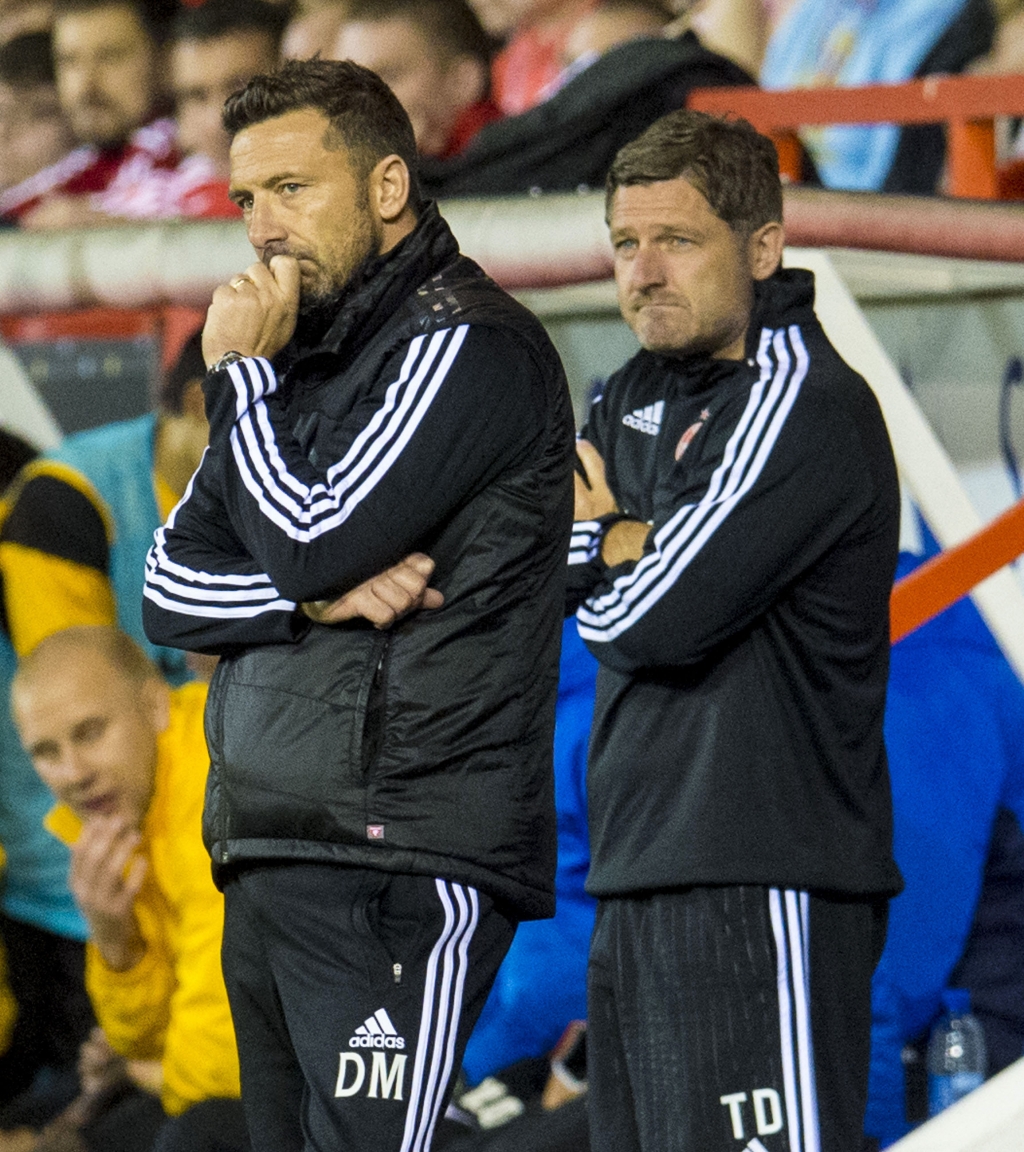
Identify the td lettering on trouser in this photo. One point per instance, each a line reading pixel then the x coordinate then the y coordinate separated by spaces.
pixel 767 1114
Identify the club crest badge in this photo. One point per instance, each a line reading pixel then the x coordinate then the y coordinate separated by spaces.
pixel 688 435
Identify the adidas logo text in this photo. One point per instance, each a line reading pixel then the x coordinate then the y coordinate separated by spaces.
pixel 377 1032
pixel 646 419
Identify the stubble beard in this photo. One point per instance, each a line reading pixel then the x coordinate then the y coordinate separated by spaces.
pixel 319 304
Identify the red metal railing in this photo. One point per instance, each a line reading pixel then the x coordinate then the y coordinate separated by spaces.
pixel 966 105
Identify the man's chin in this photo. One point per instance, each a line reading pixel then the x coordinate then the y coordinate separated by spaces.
pixel 316 301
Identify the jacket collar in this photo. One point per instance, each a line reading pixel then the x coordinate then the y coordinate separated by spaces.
pixel 786 297
pixel 382 285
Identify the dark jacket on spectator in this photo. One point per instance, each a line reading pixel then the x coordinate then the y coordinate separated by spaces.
pixel 571 139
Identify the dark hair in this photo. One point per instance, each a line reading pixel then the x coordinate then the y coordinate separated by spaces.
pixel 189 366
pixel 27 61
pixel 364 113
pixel 154 15
pixel 451 26
pixel 215 18
pixel 733 166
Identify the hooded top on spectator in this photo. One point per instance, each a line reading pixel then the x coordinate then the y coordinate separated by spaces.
pixel 571 139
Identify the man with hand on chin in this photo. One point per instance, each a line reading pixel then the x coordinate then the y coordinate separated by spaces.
pixel 125 756
pixel 732 558
pixel 380 808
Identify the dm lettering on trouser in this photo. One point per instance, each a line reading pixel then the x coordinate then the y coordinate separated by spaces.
pixel 385 1083
pixel 767 1113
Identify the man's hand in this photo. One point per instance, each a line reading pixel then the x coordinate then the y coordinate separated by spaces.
pixel 384 598
pixel 105 878
pixel 99 1066
pixel 593 496
pixel 255 313
pixel 624 540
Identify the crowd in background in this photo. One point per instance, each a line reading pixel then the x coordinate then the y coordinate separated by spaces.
pixel 110 111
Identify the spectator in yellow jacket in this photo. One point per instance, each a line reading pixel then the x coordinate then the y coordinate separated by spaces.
pixel 126 758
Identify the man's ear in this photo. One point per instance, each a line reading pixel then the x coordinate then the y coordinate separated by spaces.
pixel 764 249
pixel 389 187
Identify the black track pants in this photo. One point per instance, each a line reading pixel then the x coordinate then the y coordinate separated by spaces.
pixel 353 994
pixel 733 1019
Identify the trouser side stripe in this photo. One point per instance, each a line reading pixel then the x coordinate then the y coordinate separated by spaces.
pixel 458 950
pixel 413 1112
pixel 785 1019
pixel 442 1006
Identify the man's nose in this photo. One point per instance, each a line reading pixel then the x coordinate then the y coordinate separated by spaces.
pixel 67 771
pixel 647 268
pixel 263 226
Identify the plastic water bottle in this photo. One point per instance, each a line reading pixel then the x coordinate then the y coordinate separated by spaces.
pixel 957 1060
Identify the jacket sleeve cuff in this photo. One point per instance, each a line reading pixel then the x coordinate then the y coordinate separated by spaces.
pixel 586 567
pixel 587 538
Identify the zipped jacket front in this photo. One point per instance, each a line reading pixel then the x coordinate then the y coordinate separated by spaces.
pixel 737 733
pixel 433 417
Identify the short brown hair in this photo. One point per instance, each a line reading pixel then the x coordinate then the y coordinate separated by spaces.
pixel 731 165
pixel 364 113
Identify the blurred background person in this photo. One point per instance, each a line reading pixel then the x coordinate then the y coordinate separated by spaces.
pixel 73 547
pixel 611 23
pixel 313 30
pixel 126 758
pixel 106 57
pixel 435 56
pixel 531 59
pixel 847 43
pixel 72 552
pixel 40 926
pixel 33 130
pixel 215 49
pixel 623 74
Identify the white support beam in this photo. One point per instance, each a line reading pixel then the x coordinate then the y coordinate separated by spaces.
pixel 923 462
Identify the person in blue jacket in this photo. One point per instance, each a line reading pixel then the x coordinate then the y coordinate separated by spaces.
pixel 542 983
pixel 954 731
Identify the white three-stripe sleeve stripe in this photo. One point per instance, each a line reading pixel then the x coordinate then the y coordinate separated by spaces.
pixel 585 541
pixel 304 512
pixel 442 1008
pixel 789 916
pixel 683 536
pixel 194 592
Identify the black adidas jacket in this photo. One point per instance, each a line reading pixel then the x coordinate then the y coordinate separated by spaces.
pixel 738 731
pixel 434 416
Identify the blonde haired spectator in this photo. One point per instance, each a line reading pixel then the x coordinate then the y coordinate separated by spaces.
pixel 126 758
